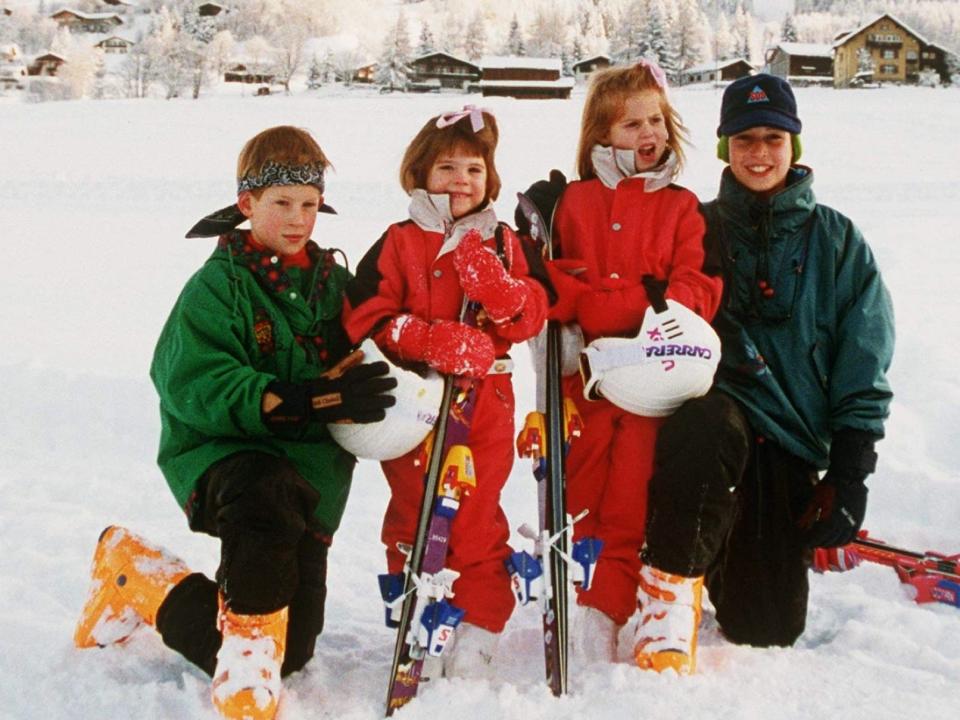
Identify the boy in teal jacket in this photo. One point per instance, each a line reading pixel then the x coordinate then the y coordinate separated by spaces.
pixel 807 335
pixel 248 377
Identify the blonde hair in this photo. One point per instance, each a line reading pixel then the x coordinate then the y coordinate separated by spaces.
pixel 283 145
pixel 609 90
pixel 432 142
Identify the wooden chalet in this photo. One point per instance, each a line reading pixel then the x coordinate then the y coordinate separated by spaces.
pixel 239 72
pixel 438 70
pixel 46 65
pixel 585 68
pixel 115 45
pixel 717 71
pixel 899 53
pixel 524 77
pixel 77 21
pixel 365 74
pixel 801 63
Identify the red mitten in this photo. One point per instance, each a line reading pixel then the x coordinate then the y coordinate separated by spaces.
pixel 563 275
pixel 836 559
pixel 617 307
pixel 450 347
pixel 484 279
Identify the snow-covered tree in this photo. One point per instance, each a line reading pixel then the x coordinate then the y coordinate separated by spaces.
pixel 288 41
pixel 345 64
pixel 515 44
pixel 198 32
pixel 724 43
pixel 631 38
pixel 392 65
pixel 475 42
pixel 742 30
pixel 315 74
pixel 788 31
pixel 84 63
pixel 451 35
pixel 426 44
pixel 219 51
pixel 258 52
pixel 864 62
pixel 689 35
pixel 548 32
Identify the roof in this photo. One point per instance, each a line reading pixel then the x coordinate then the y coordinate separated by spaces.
pixel 843 38
pixel 87 16
pixel 517 62
pixel 564 82
pixel 50 56
pixel 715 65
pixel 807 49
pixel 444 54
pixel 107 39
pixel 591 59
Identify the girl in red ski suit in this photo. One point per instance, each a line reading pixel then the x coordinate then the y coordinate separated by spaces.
pixel 622 221
pixel 407 295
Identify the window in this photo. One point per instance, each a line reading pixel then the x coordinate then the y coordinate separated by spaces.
pixel 889 54
pixel 888 69
pixel 911 55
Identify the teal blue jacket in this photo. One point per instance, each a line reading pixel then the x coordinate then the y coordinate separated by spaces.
pixel 806 322
pixel 241 322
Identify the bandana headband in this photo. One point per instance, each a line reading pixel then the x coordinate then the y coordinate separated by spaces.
pixel 472 111
pixel 277 174
pixel 659 76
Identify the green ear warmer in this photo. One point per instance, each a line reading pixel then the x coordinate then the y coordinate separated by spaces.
pixel 723 147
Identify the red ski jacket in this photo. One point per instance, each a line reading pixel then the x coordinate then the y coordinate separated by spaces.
pixel 410 270
pixel 610 238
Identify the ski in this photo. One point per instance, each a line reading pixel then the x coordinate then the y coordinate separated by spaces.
pixel 417 599
pixel 545 438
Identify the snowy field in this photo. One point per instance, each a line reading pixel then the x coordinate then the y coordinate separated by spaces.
pixel 94 200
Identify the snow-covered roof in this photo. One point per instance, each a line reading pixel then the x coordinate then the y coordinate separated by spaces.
pixel 591 59
pixel 715 65
pixel 843 38
pixel 88 16
pixel 517 62
pixel 107 39
pixel 445 54
pixel 563 82
pixel 808 49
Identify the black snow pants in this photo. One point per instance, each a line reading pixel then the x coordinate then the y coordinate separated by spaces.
pixel 723 504
pixel 270 557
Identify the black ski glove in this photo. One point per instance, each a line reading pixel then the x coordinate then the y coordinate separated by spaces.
pixel 349 392
pixel 839 503
pixel 544 194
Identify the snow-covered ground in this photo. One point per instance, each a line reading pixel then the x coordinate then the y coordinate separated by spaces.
pixel 94 200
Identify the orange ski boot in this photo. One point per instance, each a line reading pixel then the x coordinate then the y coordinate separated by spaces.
pixel 666 636
pixel 130 579
pixel 246 683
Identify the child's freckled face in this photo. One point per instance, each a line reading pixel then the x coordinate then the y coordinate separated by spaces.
pixel 282 218
pixel 462 176
pixel 641 128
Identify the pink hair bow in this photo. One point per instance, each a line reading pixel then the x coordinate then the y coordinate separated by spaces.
pixel 472 111
pixel 659 76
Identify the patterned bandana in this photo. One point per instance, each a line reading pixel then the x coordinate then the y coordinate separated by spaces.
pixel 278 174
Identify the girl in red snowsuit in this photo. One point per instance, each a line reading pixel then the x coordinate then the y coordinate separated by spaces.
pixel 407 295
pixel 622 221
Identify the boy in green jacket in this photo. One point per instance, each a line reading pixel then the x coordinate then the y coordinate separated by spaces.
pixel 248 376
pixel 736 501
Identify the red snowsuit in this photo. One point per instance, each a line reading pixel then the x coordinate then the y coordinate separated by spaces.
pixel 611 238
pixel 410 270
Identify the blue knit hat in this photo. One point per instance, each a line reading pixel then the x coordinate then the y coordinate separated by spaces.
pixel 758 100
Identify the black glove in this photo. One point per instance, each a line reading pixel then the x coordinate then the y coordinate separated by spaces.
pixel 347 393
pixel 544 194
pixel 839 503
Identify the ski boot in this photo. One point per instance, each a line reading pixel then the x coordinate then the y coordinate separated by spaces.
pixel 666 635
pixel 130 579
pixel 246 683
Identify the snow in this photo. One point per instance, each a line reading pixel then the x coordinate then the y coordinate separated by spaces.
pixel 514 62
pixel 94 200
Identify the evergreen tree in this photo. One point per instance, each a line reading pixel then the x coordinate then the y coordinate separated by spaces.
pixel 690 35
pixel 426 44
pixel 743 33
pixel 315 74
pixel 864 62
pixel 788 31
pixel 631 40
pixel 515 44
pixel 475 43
pixel 392 66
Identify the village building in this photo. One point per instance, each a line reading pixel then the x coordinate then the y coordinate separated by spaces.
pixel 210 9
pixel 438 70
pixel 365 74
pixel 524 77
pixel 585 68
pixel 898 53
pixel 801 63
pixel 115 45
pixel 717 71
pixel 77 21
pixel 241 73
pixel 13 69
pixel 46 65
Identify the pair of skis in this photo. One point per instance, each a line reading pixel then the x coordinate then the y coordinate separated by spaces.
pixel 416 599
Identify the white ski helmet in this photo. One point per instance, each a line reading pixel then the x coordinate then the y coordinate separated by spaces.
pixel 672 359
pixel 407 423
